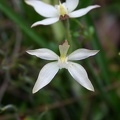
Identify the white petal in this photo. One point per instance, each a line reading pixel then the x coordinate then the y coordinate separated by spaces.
pixel 46 74
pixel 47 21
pixel 42 8
pixel 81 12
pixel 80 54
pixel 71 4
pixel 44 54
pixel 80 75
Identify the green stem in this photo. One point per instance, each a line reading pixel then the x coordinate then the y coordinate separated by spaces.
pixel 68 34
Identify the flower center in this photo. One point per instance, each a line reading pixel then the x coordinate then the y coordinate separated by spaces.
pixel 63 12
pixel 63 62
pixel 63 58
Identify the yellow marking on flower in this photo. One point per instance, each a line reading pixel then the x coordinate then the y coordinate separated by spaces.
pixel 63 51
pixel 62 10
pixel 63 58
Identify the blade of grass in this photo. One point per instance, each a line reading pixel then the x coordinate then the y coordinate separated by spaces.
pixel 22 24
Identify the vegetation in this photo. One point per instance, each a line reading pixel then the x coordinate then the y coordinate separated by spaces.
pixel 63 98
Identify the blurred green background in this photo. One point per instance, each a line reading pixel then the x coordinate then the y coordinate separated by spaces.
pixel 63 98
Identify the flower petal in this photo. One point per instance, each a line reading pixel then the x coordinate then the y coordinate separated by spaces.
pixel 71 4
pixel 47 21
pixel 81 12
pixel 42 8
pixel 46 74
pixel 80 54
pixel 80 75
pixel 44 54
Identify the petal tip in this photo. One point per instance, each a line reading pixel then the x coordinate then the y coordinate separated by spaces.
pixel 96 51
pixel 98 6
pixel 34 90
pixel 28 2
pixel 28 51
pixel 33 25
pixel 91 89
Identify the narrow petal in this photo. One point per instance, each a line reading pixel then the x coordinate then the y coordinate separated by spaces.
pixel 42 8
pixel 46 74
pixel 80 75
pixel 80 54
pixel 44 54
pixel 81 12
pixel 47 21
pixel 71 4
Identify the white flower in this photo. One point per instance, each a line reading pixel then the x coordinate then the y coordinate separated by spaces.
pixel 48 72
pixel 61 11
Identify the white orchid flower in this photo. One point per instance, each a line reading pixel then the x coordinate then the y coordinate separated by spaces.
pixel 62 11
pixel 48 72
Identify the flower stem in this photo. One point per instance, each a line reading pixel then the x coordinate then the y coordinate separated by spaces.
pixel 68 34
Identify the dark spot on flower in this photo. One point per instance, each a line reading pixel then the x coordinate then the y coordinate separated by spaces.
pixel 64 17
